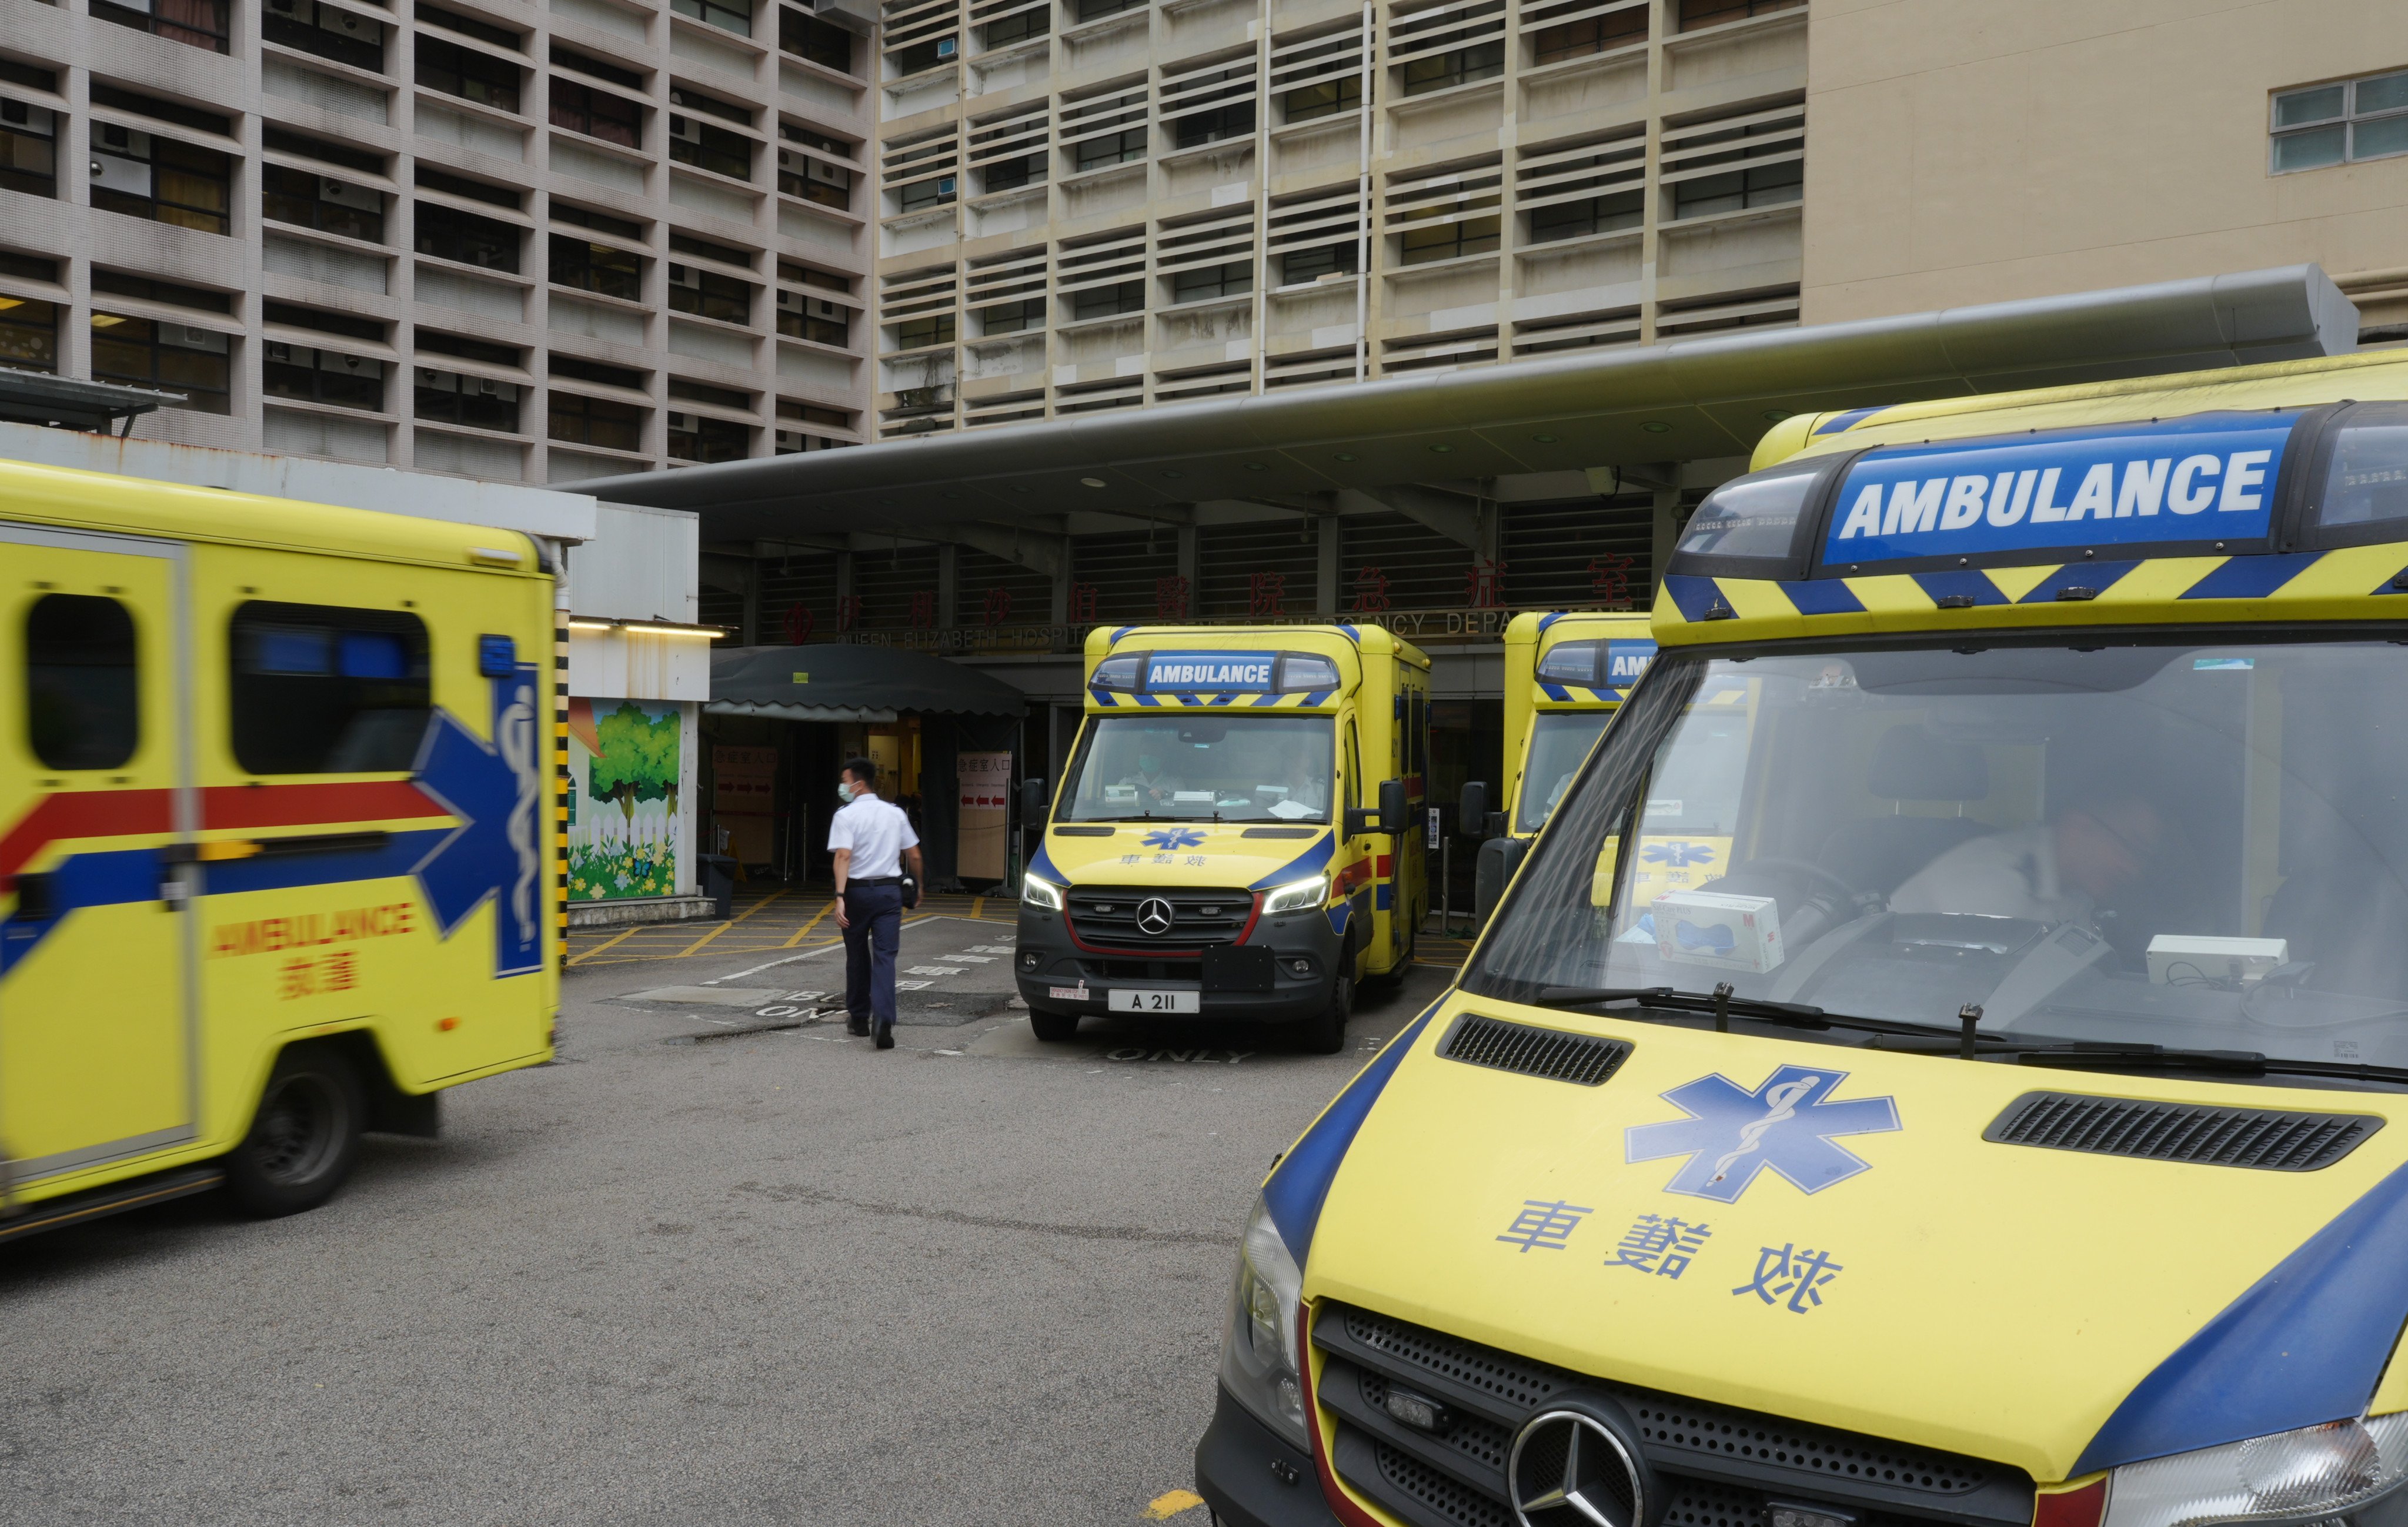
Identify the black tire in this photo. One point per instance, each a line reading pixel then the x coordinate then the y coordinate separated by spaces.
pixel 1324 1034
pixel 1054 1028
pixel 303 1138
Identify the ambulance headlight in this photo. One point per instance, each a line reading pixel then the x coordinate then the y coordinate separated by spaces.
pixel 1043 894
pixel 2314 1473
pixel 1295 896
pixel 1259 1360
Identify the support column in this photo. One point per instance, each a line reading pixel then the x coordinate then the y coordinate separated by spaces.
pixel 1189 567
pixel 948 585
pixel 1325 583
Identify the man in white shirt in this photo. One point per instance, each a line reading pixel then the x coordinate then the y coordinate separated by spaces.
pixel 872 842
pixel 2051 872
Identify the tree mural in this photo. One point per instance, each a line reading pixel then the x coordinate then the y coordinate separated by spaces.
pixel 635 761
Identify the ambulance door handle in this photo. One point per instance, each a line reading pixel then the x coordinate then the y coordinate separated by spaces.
pixel 36 898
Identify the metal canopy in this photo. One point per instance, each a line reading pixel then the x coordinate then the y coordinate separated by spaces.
pixel 839 682
pixel 1688 400
pixel 37 397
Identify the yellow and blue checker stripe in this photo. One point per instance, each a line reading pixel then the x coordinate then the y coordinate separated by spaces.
pixel 2351 583
pixel 1209 700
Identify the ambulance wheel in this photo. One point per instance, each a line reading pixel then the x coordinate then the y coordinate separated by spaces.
pixel 303 1138
pixel 1054 1028
pixel 1326 1032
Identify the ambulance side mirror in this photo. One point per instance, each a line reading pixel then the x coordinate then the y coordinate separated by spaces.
pixel 1472 815
pixel 1032 803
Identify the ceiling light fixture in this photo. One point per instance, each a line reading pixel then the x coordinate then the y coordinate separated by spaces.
pixel 1656 426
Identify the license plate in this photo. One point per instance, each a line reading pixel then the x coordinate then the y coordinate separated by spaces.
pixel 1154 1002
pixel 1066 994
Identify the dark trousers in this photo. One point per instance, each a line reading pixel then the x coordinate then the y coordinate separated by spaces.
pixel 875 914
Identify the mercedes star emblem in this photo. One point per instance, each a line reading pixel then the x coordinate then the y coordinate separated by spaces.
pixel 1570 1470
pixel 1154 917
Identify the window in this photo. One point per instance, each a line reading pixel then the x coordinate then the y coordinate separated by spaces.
pixel 159 178
pixel 1594 214
pixel 706 294
pixel 805 275
pixel 350 325
pixel 1326 99
pixel 470 74
pixel 1220 123
pixel 284 141
pixel 1017 27
pixel 1111 149
pixel 597 114
pixel 322 376
pixel 1768 186
pixel 309 200
pixel 199 23
pixel 172 357
pixel 481 402
pixel 813 179
pixel 1011 174
pixel 814 41
pixel 82 705
pixel 322 689
pixel 595 421
pixel 708 147
pixel 1312 264
pixel 322 30
pixel 699 437
pixel 29 334
pixel 814 319
pixel 29 75
pixel 597 267
pixel 710 105
pixel 935 191
pixel 911 334
pixel 1227 280
pixel 919 56
pixel 1696 13
pixel 1095 11
pixel 447 233
pixel 1456 67
pixel 569 58
pixel 702 249
pixel 460 185
pixel 33 267
pixel 601 223
pixel 727 15
pixel 1589 35
pixel 117 283
pixel 469 26
pixel 718 397
pixel 29 157
pixel 795 442
pixel 1109 301
pixel 811 413
pixel 467 349
pixel 1450 240
pixel 595 371
pixel 2333 124
pixel 1013 317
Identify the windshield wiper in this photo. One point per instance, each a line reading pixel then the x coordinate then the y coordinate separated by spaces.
pixel 1796 1015
pixel 2247 1062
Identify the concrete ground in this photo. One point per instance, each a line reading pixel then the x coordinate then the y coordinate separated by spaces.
pixel 721 1264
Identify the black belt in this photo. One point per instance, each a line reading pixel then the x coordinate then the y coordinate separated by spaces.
pixel 873 879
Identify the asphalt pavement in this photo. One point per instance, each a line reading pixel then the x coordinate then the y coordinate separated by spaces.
pixel 721 1263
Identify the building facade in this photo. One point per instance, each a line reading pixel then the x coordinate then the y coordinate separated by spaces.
pixel 1103 204
pixel 481 237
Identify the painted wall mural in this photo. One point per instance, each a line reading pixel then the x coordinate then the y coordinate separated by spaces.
pixel 624 764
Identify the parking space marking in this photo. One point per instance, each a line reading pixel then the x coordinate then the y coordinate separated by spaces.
pixel 1171 1503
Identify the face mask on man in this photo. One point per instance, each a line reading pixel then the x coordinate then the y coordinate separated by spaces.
pixel 844 792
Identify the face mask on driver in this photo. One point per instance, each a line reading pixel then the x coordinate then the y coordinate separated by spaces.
pixel 1149 763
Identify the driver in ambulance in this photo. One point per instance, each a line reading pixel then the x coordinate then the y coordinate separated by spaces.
pixel 2050 872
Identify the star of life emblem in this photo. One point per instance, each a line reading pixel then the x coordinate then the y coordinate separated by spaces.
pixel 1785 1126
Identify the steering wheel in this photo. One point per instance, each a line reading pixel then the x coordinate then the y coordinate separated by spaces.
pixel 1798 867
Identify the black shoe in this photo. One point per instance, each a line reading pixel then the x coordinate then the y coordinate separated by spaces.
pixel 886 1036
pixel 856 1028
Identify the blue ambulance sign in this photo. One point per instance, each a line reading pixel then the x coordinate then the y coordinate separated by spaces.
pixel 1626 663
pixel 2204 477
pixel 1247 672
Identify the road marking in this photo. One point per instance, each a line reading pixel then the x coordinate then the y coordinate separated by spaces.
pixel 1169 1504
pixel 807 927
pixel 581 958
pixel 731 922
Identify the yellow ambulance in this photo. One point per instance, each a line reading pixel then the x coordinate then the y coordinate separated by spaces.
pixel 2015 1131
pixel 1235 835
pixel 1565 673
pixel 275 851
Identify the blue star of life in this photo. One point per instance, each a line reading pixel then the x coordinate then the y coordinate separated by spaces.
pixel 1786 1125
pixel 1174 837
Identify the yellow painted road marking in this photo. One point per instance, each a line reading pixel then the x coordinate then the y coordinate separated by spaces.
pixel 1164 1507
pixel 581 958
pixel 729 923
pixel 809 926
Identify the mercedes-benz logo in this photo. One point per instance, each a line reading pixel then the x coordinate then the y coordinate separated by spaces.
pixel 1569 1469
pixel 1154 917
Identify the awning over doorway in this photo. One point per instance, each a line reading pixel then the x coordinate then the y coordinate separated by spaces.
pixel 843 681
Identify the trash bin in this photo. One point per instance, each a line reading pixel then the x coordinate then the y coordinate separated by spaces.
pixel 719 881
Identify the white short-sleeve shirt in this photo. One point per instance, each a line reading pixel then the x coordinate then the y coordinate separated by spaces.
pixel 877 833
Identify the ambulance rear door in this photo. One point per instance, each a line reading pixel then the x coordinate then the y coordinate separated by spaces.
pixel 97 1005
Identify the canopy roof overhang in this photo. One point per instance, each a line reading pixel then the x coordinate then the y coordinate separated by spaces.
pixel 841 681
pixel 1688 400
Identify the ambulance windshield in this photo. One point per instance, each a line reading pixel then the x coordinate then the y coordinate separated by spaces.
pixel 1201 766
pixel 1559 744
pixel 2168 841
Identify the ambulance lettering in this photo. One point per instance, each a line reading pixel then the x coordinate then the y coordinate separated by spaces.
pixel 1209 671
pixel 2129 486
pixel 1732 1134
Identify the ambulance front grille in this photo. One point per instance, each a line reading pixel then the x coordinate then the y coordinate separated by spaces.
pixel 1109 916
pixel 1533 1051
pixel 1718 1465
pixel 2267 1139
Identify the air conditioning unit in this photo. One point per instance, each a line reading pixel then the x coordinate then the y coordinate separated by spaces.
pixel 685 129
pixel 685 276
pixel 358 198
pixel 680 422
pixel 945 186
pixel 297 9
pixel 124 139
pixel 947 47
pixel 277 352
